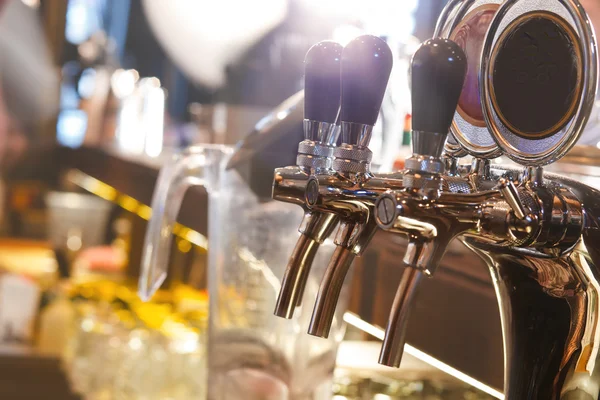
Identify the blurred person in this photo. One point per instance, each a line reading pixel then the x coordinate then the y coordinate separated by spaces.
pixel 29 80
pixel 29 102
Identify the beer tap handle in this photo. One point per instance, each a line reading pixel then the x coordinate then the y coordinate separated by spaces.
pixel 322 86
pixel 438 73
pixel 322 95
pixel 321 110
pixel 366 68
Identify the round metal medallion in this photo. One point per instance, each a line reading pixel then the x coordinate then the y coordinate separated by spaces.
pixel 538 57
pixel 538 78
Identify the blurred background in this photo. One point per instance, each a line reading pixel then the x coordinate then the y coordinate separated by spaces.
pixel 95 95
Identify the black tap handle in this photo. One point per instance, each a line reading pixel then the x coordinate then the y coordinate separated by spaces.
pixel 438 73
pixel 322 82
pixel 366 66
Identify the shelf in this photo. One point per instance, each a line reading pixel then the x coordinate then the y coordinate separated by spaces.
pixel 134 176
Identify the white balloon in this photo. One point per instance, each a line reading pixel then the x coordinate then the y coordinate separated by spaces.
pixel 204 36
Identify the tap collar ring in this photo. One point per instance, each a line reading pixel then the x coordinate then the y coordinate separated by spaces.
pixel 313 162
pixel 313 148
pixel 425 164
pixel 352 159
pixel 427 184
pixel 354 153
pixel 348 166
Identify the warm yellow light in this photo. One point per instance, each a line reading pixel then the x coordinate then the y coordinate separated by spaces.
pixel 128 203
pixel 92 185
pixel 197 238
pixel 179 229
pixel 74 243
pixel 144 212
pixel 184 246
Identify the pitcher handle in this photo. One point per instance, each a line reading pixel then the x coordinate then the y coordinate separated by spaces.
pixel 195 166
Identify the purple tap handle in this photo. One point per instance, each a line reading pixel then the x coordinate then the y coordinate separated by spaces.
pixel 322 82
pixel 366 67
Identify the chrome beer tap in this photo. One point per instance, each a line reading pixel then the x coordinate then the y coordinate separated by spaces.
pixel 346 193
pixel 438 72
pixel 315 155
pixel 536 71
pixel 351 192
pixel 538 233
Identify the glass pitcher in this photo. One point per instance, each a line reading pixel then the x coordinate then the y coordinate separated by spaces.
pixel 252 354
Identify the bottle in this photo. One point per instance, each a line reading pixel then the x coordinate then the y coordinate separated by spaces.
pixel 55 325
pixel 405 149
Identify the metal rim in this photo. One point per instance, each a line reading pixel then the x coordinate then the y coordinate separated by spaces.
pixel 452 147
pixel 446 16
pixel 573 35
pixel 460 11
pixel 482 8
pixel 570 135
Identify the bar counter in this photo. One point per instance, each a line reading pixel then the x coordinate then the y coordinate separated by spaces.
pixel 457 320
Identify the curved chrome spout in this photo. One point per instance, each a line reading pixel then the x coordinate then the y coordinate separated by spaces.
pixel 289 185
pixel 392 349
pixel 351 240
pixel 316 227
pixel 353 203
pixel 295 274
pixel 544 263
pixel 329 292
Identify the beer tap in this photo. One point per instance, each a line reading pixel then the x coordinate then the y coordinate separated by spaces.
pixel 537 232
pixel 351 192
pixel 315 155
pixel 431 217
pixel 438 72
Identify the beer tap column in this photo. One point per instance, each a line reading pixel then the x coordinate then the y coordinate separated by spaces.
pixel 438 72
pixel 366 67
pixel 315 155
